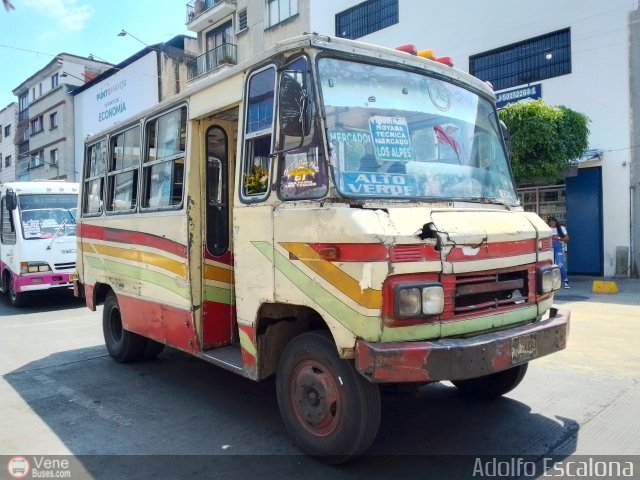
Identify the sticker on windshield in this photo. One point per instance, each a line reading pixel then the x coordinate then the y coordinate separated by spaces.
pixel 379 184
pixel 391 140
pixel 31 229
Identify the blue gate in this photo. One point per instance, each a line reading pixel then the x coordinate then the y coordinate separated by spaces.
pixel 584 222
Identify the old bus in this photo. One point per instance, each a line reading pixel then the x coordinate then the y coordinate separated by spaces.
pixel 38 237
pixel 334 213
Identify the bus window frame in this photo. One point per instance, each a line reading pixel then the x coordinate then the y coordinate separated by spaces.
pixel 255 135
pixel 146 164
pixel 111 174
pixel 87 179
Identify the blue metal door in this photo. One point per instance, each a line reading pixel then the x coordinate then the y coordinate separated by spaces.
pixel 584 222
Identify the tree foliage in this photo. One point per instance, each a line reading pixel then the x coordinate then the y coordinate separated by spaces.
pixel 545 140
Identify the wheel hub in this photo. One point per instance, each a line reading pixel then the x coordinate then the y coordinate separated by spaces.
pixel 315 398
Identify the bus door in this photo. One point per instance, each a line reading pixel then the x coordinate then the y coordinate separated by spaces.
pixel 218 312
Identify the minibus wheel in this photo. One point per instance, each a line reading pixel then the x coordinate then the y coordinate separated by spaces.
pixel 17 299
pixel 494 385
pixel 330 410
pixel 122 344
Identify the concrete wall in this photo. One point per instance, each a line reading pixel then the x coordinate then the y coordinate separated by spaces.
pixel 598 86
pixel 8 116
pixel 634 62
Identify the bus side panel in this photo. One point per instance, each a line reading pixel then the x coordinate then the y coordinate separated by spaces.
pixel 168 325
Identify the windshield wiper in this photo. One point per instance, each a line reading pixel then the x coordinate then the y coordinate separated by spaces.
pixel 73 219
pixel 57 232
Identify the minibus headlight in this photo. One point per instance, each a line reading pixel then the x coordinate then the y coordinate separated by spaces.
pixel 34 267
pixel 408 302
pixel 549 279
pixel 433 300
pixel 411 301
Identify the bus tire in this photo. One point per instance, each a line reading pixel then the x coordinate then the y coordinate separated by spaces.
pixel 492 386
pixel 123 345
pixel 17 299
pixel 152 348
pixel 328 408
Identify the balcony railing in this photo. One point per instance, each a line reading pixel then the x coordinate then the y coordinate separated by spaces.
pixel 224 54
pixel 198 7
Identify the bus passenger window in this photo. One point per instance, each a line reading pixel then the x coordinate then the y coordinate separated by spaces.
pixel 95 162
pixel 122 178
pixel 256 164
pixel 163 167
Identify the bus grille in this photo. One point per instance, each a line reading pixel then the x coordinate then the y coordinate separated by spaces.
pixel 486 293
pixel 65 266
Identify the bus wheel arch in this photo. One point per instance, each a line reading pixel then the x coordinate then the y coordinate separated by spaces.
pixel 276 326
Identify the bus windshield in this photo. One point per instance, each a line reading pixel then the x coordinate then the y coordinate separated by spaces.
pixel 396 134
pixel 47 215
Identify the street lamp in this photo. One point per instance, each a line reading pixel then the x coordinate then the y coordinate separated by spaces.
pixel 67 74
pixel 123 33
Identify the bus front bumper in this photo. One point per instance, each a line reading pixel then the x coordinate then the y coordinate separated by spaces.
pixel 45 281
pixel 462 358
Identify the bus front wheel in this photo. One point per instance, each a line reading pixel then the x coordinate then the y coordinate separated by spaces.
pixel 123 345
pixel 17 299
pixel 331 411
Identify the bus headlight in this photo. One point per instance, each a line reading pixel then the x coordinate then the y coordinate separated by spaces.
pixel 34 267
pixel 549 279
pixel 411 301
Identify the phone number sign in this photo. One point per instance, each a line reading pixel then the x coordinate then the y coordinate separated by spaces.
pixel 532 92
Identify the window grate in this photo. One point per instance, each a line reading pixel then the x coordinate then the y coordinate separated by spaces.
pixel 529 61
pixel 366 17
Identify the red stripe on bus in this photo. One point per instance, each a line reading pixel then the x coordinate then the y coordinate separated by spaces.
pixel 129 237
pixel 491 250
pixel 378 252
pixel 226 258
pixel 375 252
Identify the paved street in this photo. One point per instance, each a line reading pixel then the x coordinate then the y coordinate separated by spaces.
pixel 61 394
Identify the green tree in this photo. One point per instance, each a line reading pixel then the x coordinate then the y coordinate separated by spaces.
pixel 545 140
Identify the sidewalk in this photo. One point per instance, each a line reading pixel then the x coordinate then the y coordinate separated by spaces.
pixel 581 290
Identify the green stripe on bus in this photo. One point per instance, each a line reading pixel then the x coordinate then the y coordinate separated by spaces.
pixel 138 273
pixel 368 327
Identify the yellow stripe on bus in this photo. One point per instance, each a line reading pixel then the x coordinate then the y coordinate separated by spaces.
pixel 212 272
pixel 368 297
pixel 179 268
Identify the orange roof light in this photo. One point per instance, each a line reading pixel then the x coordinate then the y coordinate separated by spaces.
pixel 427 54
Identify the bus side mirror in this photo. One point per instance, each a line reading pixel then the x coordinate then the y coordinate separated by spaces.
pixel 294 111
pixel 11 200
pixel 507 138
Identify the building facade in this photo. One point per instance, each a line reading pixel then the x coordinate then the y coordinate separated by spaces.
pixel 8 122
pixel 45 130
pixel 231 32
pixel 152 75
pixel 582 54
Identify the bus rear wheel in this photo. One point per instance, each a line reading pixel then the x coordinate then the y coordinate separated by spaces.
pixel 122 345
pixel 330 410
pixel 17 299
pixel 494 385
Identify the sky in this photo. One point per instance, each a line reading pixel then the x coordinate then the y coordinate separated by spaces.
pixel 38 30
